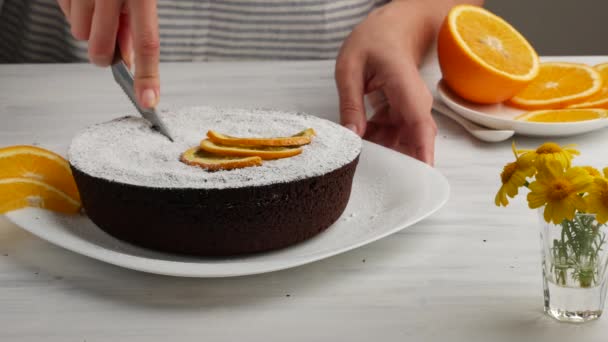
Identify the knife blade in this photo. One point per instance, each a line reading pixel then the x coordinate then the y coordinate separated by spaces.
pixel 124 78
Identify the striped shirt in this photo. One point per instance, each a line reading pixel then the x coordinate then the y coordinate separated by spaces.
pixel 195 30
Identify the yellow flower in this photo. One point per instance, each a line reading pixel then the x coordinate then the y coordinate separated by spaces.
pixel 593 172
pixel 597 200
pixel 550 151
pixel 559 191
pixel 513 176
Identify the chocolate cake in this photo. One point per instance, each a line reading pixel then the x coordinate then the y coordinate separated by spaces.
pixel 134 187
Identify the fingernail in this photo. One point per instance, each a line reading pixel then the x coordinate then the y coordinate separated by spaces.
pixel 148 98
pixel 130 59
pixel 352 127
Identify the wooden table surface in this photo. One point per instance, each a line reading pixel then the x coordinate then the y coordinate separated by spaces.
pixel 470 272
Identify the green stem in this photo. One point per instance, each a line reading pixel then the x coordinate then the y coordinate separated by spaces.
pixel 576 252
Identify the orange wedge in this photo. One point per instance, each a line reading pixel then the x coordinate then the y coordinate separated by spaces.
pixel 39 164
pixel 17 193
pixel 484 59
pixel 267 152
pixel 563 115
pixel 299 139
pixel 600 99
pixel 559 85
pixel 213 162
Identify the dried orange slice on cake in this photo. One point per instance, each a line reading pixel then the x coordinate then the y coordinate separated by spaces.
pixel 600 99
pixel 38 164
pixel 17 193
pixel 302 138
pixel 559 85
pixel 213 162
pixel 225 152
pixel 484 59
pixel 264 152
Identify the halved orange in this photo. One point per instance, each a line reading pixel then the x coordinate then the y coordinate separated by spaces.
pixel 267 152
pixel 213 162
pixel 484 59
pixel 39 164
pixel 600 99
pixel 558 85
pixel 302 138
pixel 17 193
pixel 563 115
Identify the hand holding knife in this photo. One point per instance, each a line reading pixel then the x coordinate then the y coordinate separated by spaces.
pixel 124 78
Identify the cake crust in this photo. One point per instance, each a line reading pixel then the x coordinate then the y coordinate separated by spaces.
pixel 217 222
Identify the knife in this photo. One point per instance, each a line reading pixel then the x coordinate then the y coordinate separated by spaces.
pixel 124 78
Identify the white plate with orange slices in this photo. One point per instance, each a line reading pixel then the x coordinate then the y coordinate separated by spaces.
pixel 493 77
pixel 504 117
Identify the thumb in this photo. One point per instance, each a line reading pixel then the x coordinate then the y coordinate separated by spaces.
pixel 350 84
pixel 144 28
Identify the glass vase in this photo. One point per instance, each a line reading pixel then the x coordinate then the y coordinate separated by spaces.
pixel 574 260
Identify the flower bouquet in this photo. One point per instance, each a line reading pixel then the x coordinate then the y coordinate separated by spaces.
pixel 573 207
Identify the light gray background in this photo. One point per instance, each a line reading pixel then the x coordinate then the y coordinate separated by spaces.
pixel 558 27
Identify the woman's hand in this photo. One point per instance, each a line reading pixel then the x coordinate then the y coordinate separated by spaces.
pixel 381 58
pixel 131 23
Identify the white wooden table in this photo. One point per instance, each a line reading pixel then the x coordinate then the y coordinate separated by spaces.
pixel 468 273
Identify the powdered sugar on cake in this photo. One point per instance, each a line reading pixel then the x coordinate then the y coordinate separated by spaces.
pixel 127 150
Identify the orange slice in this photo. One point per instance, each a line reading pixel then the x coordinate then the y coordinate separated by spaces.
pixel 267 152
pixel 483 58
pixel 600 99
pixel 299 139
pixel 563 115
pixel 213 162
pixel 17 193
pixel 39 164
pixel 559 85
